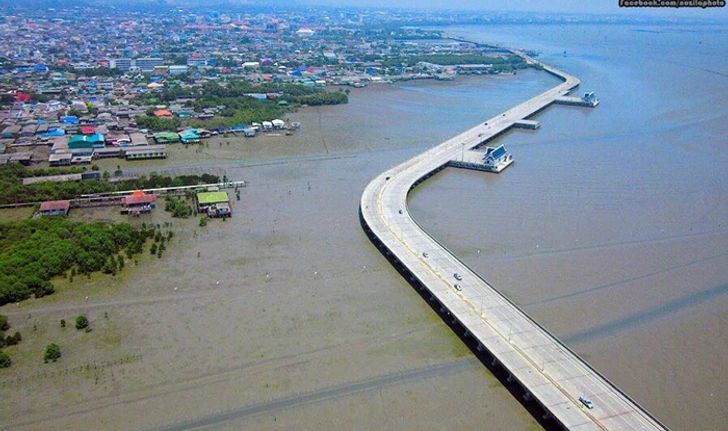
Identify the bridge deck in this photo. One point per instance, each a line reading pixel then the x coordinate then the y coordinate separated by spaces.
pixel 551 373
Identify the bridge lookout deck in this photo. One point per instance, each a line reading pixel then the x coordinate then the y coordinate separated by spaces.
pixel 546 370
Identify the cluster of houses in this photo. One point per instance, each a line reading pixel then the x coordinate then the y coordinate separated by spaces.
pixel 77 82
pixel 72 140
pixel 211 202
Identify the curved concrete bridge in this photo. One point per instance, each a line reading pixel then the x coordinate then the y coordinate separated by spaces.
pixel 546 370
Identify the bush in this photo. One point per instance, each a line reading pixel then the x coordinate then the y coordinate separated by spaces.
pixel 203 221
pixel 178 207
pixel 14 339
pixel 52 353
pixel 110 266
pixel 81 322
pixel 4 326
pixel 4 360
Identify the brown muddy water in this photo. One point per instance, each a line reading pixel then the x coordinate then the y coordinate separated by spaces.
pixel 289 318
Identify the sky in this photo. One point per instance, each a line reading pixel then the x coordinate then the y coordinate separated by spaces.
pixel 561 6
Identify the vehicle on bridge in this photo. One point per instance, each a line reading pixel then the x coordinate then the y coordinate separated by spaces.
pixel 587 402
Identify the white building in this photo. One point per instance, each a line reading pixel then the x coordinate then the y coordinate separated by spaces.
pixel 122 64
pixel 147 64
pixel 305 32
pixel 177 70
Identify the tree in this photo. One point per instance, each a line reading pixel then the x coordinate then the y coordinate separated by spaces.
pixel 52 353
pixel 4 326
pixel 14 339
pixel 63 323
pixel 110 266
pixel 81 322
pixel 4 360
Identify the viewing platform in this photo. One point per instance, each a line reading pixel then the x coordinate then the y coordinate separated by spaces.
pixel 527 124
pixel 589 100
pixel 490 159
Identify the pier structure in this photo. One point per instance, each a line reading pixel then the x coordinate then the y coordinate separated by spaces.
pixel 566 388
pixel 473 159
pixel 527 124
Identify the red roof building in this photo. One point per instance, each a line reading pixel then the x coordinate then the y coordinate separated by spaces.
pixel 22 97
pixel 138 203
pixel 53 208
pixel 163 113
pixel 88 130
pixel 138 198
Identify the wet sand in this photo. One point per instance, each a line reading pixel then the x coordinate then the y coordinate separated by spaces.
pixel 333 338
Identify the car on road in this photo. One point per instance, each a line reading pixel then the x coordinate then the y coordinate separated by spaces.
pixel 457 276
pixel 457 287
pixel 587 402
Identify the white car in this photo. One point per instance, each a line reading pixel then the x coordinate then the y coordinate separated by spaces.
pixel 587 402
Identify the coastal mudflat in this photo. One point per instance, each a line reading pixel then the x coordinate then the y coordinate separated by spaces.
pixel 284 316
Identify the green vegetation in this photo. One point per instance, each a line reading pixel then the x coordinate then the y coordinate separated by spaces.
pixel 157 124
pixel 500 64
pixel 52 353
pixel 203 221
pixel 178 207
pixel 5 361
pixel 12 340
pixel 237 107
pixel 12 189
pixel 33 251
pixel 44 172
pixel 81 322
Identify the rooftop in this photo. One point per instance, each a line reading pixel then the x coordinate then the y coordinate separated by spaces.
pixel 207 198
